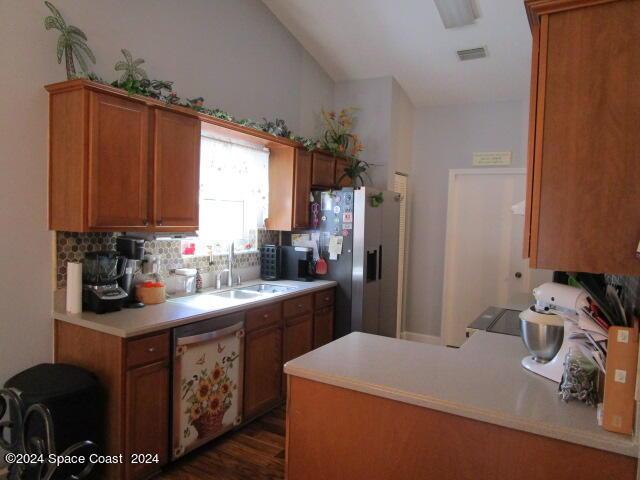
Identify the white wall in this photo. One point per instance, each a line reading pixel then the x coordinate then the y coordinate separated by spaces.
pixel 234 53
pixel 445 138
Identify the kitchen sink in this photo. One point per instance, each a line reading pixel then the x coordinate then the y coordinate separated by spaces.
pixel 266 288
pixel 240 293
pixel 236 294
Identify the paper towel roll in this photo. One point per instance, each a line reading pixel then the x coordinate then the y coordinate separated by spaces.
pixel 74 287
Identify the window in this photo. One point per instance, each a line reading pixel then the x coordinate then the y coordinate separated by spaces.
pixel 234 195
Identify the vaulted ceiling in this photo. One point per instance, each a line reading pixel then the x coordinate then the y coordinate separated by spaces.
pixel 356 39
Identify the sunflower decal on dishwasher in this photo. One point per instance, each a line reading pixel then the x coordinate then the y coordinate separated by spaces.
pixel 207 396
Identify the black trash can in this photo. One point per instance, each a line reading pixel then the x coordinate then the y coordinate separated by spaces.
pixel 74 400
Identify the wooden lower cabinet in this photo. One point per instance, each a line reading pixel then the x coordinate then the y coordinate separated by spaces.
pixel 135 373
pixel 322 326
pixel 262 370
pixel 147 417
pixel 298 340
pixel 135 376
pixel 298 337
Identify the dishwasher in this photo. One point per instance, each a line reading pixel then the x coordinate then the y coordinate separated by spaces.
pixel 207 382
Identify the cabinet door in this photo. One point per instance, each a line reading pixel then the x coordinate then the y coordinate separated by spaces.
pixel 176 171
pixel 298 337
pixel 322 327
pixel 298 340
pixel 340 181
pixel 263 370
pixel 323 171
pixel 118 163
pixel 147 417
pixel 585 195
pixel 302 189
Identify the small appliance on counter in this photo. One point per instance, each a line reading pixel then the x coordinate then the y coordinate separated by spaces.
pixel 547 327
pixel 270 262
pixel 132 251
pixel 100 274
pixel 297 263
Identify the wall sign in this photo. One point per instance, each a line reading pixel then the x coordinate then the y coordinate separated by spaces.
pixel 483 159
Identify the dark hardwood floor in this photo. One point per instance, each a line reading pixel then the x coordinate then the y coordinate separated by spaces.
pixel 255 452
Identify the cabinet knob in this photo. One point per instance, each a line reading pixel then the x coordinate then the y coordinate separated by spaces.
pixel 266 315
pixel 518 275
pixel 151 349
pixel 300 305
pixel 146 222
pixel 326 299
pixel 159 221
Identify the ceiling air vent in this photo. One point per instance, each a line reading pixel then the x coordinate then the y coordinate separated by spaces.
pixel 472 53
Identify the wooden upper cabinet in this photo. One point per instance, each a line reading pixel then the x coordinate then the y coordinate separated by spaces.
pixel 583 177
pixel 118 163
pixel 289 188
pixel 323 171
pixel 302 188
pixel 176 169
pixel 341 179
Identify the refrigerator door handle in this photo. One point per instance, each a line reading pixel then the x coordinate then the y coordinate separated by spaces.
pixel 372 264
pixel 380 262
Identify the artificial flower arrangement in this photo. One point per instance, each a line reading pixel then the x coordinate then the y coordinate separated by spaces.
pixel 338 139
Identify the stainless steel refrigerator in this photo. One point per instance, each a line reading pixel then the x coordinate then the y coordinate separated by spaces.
pixel 367 267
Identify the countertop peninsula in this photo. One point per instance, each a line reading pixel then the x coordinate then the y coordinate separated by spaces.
pixel 483 380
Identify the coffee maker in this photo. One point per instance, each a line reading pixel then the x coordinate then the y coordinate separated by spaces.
pixel 132 251
pixel 100 274
pixel 297 263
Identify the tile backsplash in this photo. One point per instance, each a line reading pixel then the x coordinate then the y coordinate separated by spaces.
pixel 72 246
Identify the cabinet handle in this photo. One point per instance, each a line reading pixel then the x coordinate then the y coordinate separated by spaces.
pixel 151 349
pixel 266 315
pixel 300 305
pixel 159 221
pixel 326 299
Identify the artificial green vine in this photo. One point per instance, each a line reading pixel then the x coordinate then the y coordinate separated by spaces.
pixel 134 80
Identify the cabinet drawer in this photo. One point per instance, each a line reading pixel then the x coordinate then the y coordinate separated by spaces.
pixel 297 306
pixel 263 317
pixel 324 298
pixel 147 350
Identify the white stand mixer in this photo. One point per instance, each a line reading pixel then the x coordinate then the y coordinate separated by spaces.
pixel 547 326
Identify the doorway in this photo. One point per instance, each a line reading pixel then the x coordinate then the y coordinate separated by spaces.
pixel 483 261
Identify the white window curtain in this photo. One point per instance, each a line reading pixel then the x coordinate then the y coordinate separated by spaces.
pixel 234 194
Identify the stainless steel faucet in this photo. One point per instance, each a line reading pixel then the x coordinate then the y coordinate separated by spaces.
pixel 232 256
pixel 228 271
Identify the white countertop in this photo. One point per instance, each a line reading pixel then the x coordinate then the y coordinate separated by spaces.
pixel 131 322
pixel 482 380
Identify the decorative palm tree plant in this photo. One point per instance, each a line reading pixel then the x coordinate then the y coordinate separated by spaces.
pixel 71 43
pixel 132 73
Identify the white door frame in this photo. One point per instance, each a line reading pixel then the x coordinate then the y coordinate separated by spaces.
pixel 447 288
